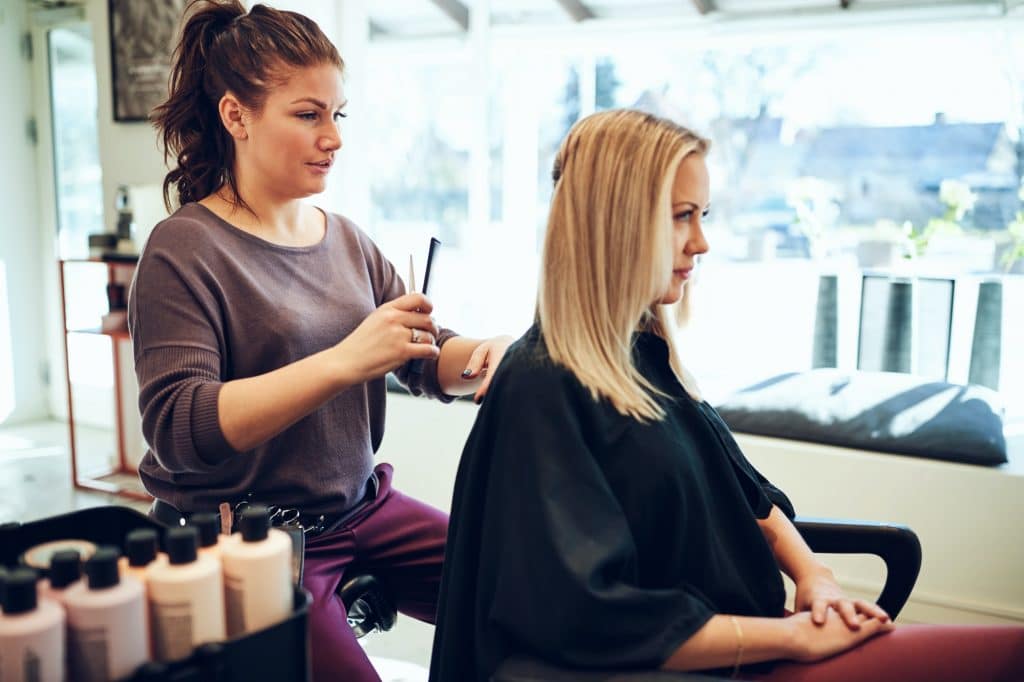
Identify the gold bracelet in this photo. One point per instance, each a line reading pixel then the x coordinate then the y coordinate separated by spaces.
pixel 739 647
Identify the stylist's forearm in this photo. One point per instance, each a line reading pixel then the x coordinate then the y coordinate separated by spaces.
pixel 254 410
pixel 452 362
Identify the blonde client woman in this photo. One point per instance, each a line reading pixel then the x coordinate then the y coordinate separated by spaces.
pixel 603 516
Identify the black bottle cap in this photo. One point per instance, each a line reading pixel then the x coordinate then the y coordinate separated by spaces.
pixel 20 591
pixel 140 546
pixel 65 568
pixel 208 525
pixel 101 568
pixel 181 544
pixel 255 523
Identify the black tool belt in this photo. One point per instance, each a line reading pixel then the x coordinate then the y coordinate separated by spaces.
pixel 286 517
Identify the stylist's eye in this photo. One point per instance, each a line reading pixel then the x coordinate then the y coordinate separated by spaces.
pixel 338 115
pixel 683 215
pixel 307 115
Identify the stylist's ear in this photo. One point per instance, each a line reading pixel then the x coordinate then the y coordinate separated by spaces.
pixel 231 112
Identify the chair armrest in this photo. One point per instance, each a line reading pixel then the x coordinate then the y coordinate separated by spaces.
pixel 897 546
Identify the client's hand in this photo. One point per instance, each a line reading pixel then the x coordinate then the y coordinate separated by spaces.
pixel 818 592
pixel 813 642
pixel 485 359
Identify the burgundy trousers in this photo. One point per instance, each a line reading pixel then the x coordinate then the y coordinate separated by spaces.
pixel 397 539
pixel 917 653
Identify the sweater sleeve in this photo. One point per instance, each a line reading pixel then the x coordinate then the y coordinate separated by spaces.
pixel 177 362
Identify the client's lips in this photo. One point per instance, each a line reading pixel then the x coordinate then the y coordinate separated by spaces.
pixel 321 166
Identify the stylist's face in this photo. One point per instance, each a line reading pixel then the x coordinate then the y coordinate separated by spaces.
pixel 291 143
pixel 689 208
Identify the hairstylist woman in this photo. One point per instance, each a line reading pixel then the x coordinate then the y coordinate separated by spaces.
pixel 263 326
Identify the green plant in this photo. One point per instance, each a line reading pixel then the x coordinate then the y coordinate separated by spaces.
pixel 816 205
pixel 958 200
pixel 1016 232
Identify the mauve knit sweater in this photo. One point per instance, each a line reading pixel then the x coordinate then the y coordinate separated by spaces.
pixel 211 303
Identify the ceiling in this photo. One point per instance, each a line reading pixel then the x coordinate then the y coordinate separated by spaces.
pixel 413 18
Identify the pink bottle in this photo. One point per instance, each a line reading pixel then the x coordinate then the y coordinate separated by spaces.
pixel 31 632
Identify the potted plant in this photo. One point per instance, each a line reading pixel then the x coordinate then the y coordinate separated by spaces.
pixel 1010 252
pixel 958 199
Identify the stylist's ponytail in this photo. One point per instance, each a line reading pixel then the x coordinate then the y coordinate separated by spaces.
pixel 224 49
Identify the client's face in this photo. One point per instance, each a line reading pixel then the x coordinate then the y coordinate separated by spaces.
pixel 689 208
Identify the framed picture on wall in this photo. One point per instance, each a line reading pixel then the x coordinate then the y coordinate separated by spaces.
pixel 142 37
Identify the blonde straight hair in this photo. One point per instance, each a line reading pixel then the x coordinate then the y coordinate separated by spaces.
pixel 608 255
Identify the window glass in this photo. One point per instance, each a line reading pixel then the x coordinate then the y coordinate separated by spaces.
pixel 890 151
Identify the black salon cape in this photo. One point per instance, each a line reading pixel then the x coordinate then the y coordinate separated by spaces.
pixel 589 539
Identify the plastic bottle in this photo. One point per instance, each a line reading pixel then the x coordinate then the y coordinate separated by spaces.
pixel 31 632
pixel 65 573
pixel 186 597
pixel 208 525
pixel 107 637
pixel 140 548
pixel 257 574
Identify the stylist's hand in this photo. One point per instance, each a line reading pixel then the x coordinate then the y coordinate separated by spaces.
pixel 484 361
pixel 819 593
pixel 813 642
pixel 395 333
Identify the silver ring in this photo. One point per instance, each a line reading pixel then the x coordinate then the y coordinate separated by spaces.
pixel 415 335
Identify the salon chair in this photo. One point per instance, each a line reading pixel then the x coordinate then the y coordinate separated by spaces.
pixel 369 605
pixel 896 545
pixel 371 609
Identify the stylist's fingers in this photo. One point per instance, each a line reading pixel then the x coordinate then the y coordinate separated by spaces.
pixel 493 360
pixel 422 350
pixel 477 362
pixel 411 302
pixel 425 323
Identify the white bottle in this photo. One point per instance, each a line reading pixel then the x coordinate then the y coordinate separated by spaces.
pixel 107 637
pixel 257 574
pixel 140 548
pixel 65 573
pixel 186 597
pixel 208 525
pixel 31 632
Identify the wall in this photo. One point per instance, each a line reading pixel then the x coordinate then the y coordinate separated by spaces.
pixel 129 153
pixel 967 517
pixel 20 237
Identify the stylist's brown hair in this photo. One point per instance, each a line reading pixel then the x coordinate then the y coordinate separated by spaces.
pixel 224 49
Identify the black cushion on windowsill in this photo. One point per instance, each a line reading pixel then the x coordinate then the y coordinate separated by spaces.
pixel 880 411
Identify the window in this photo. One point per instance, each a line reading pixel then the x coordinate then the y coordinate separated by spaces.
pixel 877 149
pixel 78 182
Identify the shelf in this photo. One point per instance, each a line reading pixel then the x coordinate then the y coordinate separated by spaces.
pixel 116 333
pixel 121 479
pixel 122 259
